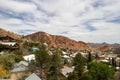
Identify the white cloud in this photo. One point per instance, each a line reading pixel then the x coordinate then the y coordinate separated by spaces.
pixel 15 6
pixel 86 20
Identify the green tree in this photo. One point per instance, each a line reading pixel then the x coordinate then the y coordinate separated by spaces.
pixel 42 57
pixel 79 62
pixel 96 57
pixel 8 59
pixel 54 72
pixel 32 66
pixel 86 76
pixel 89 57
pixel 42 61
pixel 100 71
pixel 3 72
pixel 113 62
pixel 73 76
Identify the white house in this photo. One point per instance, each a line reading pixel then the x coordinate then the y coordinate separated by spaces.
pixel 8 43
pixel 29 57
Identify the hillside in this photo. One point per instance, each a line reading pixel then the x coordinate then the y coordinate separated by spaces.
pixel 57 41
pixel 103 46
pixel 10 34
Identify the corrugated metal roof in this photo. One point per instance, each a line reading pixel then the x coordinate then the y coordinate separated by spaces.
pixel 33 77
pixel 19 69
pixel 21 66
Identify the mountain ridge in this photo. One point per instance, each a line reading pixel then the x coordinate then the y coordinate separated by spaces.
pixel 57 40
pixel 52 40
pixel 103 46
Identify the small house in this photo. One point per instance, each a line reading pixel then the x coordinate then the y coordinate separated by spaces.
pixel 66 70
pixel 18 71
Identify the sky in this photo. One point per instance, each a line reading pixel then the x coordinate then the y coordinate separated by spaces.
pixel 82 20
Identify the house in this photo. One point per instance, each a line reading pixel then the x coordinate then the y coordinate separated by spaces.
pixel 6 38
pixel 66 70
pixel 102 57
pixel 84 54
pixel 34 49
pixel 1 52
pixel 65 56
pixel 29 57
pixel 104 60
pixel 118 61
pixel 8 43
pixel 73 54
pixel 33 77
pixel 64 53
pixel 18 71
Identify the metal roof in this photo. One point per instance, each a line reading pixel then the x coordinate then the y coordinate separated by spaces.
pixel 33 77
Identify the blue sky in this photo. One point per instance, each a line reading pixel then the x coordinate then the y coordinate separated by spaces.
pixel 82 20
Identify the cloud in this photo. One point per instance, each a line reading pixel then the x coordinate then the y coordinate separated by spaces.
pixel 85 20
pixel 18 7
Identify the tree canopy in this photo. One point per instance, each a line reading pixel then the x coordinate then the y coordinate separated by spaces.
pixel 100 71
pixel 54 72
pixel 79 62
pixel 3 72
pixel 42 61
pixel 8 59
